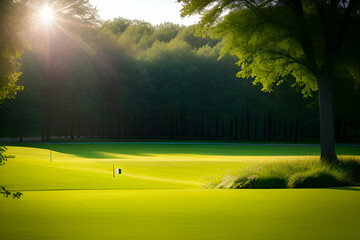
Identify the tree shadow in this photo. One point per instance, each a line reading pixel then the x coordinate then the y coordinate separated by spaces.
pixel 104 149
pixel 100 150
pixel 356 189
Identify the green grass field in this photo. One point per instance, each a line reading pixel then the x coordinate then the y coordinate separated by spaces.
pixel 159 195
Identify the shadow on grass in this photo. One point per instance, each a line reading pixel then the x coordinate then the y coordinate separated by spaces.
pixel 356 189
pixel 101 150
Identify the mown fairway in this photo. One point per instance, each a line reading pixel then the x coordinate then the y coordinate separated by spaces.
pixel 159 195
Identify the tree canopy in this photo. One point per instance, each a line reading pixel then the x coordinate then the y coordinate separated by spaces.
pixel 312 42
pixel 165 83
pixel 12 44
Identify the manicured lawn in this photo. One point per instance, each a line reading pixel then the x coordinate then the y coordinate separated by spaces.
pixel 184 214
pixel 159 195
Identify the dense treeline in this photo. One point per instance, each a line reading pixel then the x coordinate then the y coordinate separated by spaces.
pixel 129 79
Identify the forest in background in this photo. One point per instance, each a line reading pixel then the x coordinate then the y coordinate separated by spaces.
pixel 129 79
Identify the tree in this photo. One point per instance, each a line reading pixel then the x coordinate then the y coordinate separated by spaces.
pixel 276 40
pixel 3 159
pixel 12 44
pixel 16 16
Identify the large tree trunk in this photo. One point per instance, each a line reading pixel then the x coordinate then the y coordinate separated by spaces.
pixel 327 140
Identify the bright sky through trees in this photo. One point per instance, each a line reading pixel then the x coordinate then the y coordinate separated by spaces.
pixel 154 11
pixel 46 14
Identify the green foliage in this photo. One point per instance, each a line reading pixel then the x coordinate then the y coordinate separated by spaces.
pixel 17 17
pixel 120 79
pixel 13 16
pixel 3 156
pixel 117 26
pixel 319 178
pixel 309 173
pixel 3 159
pixel 255 181
pixel 167 31
pixel 276 41
pixel 266 52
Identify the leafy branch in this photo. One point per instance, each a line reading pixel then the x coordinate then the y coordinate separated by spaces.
pixel 3 158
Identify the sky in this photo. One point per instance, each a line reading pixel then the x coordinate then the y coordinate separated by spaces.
pixel 153 11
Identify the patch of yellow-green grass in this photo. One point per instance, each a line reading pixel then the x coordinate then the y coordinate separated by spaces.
pixel 144 166
pixel 158 196
pixel 32 169
pixel 276 214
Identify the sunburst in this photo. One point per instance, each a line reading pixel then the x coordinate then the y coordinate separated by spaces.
pixel 47 15
pixel 51 19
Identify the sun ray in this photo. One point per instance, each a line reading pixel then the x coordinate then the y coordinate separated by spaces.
pixel 82 45
pixel 75 23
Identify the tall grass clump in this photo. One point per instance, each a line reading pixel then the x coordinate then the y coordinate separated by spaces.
pixel 301 172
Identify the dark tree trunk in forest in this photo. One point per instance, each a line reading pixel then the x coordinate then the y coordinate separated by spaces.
pixel 72 130
pixel 86 130
pixel 163 121
pixel 203 125
pixel 209 128
pixel 118 128
pixel 343 132
pixel 255 126
pixel 264 132
pixel 230 128
pixel 176 128
pixel 216 127
pixel 327 140
pixel 182 119
pixel 78 130
pixel 65 130
pixel 247 133
pixel 296 130
pixel 21 133
pixel 236 127
pixel 223 128
pixel 45 124
pixel 125 129
pixel 274 128
pixel 269 127
pixel 134 127
pixel 185 127
pixel 171 127
pixel 241 126
pixel 103 129
pixel 196 128
pixel 48 130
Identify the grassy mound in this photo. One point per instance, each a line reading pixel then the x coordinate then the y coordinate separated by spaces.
pixel 296 173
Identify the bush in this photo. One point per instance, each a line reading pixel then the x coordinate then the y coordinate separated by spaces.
pixel 307 172
pixel 255 181
pixel 351 166
pixel 318 179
